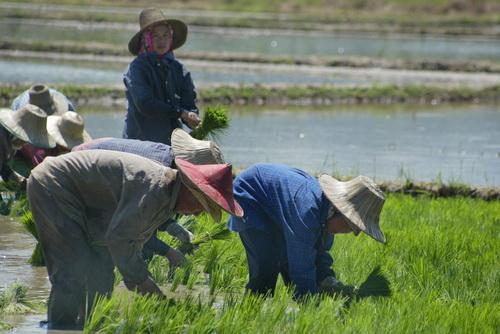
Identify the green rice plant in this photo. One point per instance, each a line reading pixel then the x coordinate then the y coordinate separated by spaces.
pixel 437 273
pixel 13 300
pixel 28 222
pixel 213 123
pixel 4 326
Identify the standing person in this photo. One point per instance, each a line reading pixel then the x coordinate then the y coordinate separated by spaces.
pixel 198 152
pixel 159 89
pixel 286 213
pixel 48 99
pixel 95 209
pixel 27 125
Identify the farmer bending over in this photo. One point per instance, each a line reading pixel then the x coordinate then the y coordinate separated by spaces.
pixel 184 146
pixel 95 209
pixel 286 215
pixel 27 125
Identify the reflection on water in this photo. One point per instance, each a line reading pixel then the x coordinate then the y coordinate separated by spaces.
pixel 454 143
pixel 274 42
pixel 16 246
pixel 72 73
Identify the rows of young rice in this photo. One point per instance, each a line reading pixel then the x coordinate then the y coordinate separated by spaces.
pixel 441 260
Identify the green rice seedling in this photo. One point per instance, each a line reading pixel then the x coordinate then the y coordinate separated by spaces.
pixel 437 273
pixel 213 123
pixel 28 222
pixel 13 300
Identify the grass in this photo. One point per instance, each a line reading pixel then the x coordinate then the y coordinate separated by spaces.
pixel 13 300
pixel 441 262
pixel 289 95
pixel 421 16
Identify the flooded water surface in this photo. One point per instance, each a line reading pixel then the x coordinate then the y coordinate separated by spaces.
pixel 270 42
pixel 422 143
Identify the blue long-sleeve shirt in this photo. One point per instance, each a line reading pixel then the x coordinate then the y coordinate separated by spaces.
pixel 158 90
pixel 293 201
pixel 158 152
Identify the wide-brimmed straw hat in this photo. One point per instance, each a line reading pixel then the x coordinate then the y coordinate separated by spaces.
pixel 52 104
pixel 150 16
pixel 360 200
pixel 28 124
pixel 68 130
pixel 212 185
pixel 198 152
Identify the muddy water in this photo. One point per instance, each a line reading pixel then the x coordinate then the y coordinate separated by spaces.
pixel 16 246
pixel 274 42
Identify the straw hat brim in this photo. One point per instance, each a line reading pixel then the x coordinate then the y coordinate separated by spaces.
pixel 42 140
pixel 212 200
pixel 60 104
pixel 179 36
pixel 62 140
pixel 337 194
pixel 195 151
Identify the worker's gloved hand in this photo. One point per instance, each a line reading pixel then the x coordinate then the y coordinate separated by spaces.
pixel 149 287
pixel 19 180
pixel 331 285
pixel 179 232
pixel 175 258
pixel 190 118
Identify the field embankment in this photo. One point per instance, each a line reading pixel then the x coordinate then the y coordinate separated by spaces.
pixel 84 95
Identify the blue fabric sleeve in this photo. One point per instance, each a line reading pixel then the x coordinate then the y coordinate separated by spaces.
pixel 156 245
pixel 188 92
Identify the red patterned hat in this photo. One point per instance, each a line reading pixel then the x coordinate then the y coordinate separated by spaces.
pixel 212 185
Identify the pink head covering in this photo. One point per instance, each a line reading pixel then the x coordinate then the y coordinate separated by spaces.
pixel 147 44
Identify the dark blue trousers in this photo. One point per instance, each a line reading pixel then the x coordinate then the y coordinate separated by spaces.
pixel 266 256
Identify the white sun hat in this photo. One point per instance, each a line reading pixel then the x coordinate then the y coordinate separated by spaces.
pixel 198 152
pixel 68 130
pixel 360 200
pixel 28 124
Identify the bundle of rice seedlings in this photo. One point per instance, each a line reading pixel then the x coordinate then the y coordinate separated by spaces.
pixel 218 232
pixel 13 300
pixel 213 123
pixel 28 222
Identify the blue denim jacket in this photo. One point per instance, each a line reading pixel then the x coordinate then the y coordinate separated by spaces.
pixel 158 90
pixel 294 202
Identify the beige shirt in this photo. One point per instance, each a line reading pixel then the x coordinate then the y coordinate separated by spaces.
pixel 119 200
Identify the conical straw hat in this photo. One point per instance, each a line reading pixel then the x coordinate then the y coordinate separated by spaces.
pixel 150 16
pixel 198 152
pixel 68 130
pixel 212 185
pixel 28 124
pixel 52 104
pixel 360 200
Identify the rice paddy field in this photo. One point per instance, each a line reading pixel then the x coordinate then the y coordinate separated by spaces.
pixel 438 273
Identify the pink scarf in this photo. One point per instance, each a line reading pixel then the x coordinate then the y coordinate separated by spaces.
pixel 147 44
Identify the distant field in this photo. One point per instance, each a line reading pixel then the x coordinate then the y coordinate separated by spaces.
pixel 441 261
pixel 442 16
pixel 319 6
